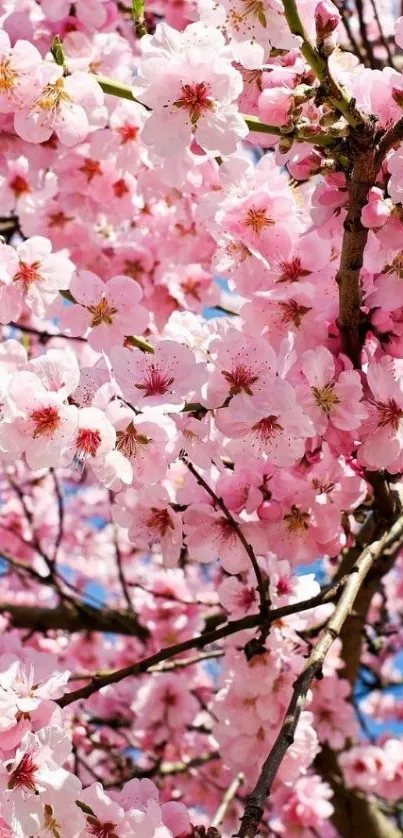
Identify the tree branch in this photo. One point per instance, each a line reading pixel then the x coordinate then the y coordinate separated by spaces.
pixel 264 602
pixel 312 669
pixel 101 679
pixel 337 96
pixel 362 178
pixel 74 618
pixel 229 795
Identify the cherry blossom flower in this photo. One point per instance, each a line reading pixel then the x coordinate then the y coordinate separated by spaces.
pixel 19 66
pixel 151 520
pixel 331 397
pixel 210 535
pixel 110 310
pixel 382 439
pixel 31 273
pixel 165 377
pixel 65 105
pixel 36 423
pixel 193 94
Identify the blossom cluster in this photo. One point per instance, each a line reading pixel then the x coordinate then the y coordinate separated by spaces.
pixel 182 425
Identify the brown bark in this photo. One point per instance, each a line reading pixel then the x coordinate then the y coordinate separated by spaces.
pixel 362 178
pixel 72 619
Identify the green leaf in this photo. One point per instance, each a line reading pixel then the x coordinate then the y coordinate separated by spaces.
pixel 84 808
pixel 141 343
pixel 67 296
pixel 138 7
pixel 138 12
pixel 58 51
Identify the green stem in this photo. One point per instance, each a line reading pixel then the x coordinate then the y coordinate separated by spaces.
pixel 124 91
pixel 254 124
pixel 338 97
pixel 116 88
pixel 141 343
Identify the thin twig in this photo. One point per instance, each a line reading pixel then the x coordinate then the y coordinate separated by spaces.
pixel 229 796
pixel 182 663
pixel 384 41
pixel 373 61
pixel 60 508
pixel 264 602
pixel 337 96
pixel 102 679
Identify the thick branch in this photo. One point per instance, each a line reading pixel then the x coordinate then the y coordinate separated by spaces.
pixel 313 667
pixel 72 619
pixel 101 679
pixel 363 176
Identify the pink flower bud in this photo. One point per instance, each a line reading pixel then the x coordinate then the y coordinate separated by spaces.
pixel 397 95
pixel 377 211
pixel 327 18
pixel 275 105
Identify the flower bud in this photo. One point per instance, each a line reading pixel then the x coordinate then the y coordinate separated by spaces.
pixel 327 18
pixel 397 95
pixel 275 105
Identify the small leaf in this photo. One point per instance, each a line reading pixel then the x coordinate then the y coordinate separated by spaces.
pixel 68 296
pixel 84 808
pixel 141 343
pixel 58 51
pixel 262 18
pixel 138 10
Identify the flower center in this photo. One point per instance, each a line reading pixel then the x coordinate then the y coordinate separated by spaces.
pixel 322 488
pixel 128 133
pixel 258 220
pixel 325 397
pixel 121 188
pixel 102 312
pixel 284 586
pixel 389 414
pixel 50 823
pixel 225 531
pixel 23 776
pixel 160 521
pixel 28 274
pixel 8 76
pixel 267 428
pixel 297 520
pixel 87 442
pixel 255 8
pixel 397 266
pixel 292 271
pixel 52 96
pixel 192 287
pixel 19 185
pixel 133 268
pixel 101 830
pixel 156 383
pixel 195 98
pixel 241 379
pixel 129 441
pixel 293 313
pixel 59 219
pixel 46 421
pixel 91 168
